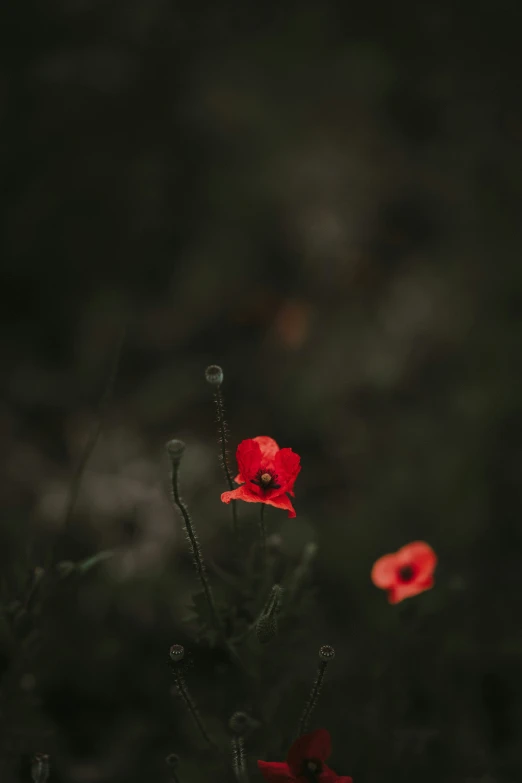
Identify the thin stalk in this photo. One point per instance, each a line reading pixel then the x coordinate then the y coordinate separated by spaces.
pixel 223 437
pixel 191 707
pixel 238 759
pixel 326 654
pixel 176 449
pixel 313 698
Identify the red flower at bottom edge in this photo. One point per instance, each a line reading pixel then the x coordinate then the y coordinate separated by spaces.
pixel 266 474
pixel 305 762
pixel 407 572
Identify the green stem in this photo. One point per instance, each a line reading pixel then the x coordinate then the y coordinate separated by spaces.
pixel 312 699
pixel 194 546
pixel 187 698
pixel 238 760
pixel 224 457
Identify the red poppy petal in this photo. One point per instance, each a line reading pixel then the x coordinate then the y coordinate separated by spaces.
pixel 241 493
pixel 329 776
pixel 268 446
pixel 281 501
pixel 384 571
pixel 248 457
pixel 287 466
pixel 315 745
pixel 421 555
pixel 276 771
pixel 400 592
pixel 269 449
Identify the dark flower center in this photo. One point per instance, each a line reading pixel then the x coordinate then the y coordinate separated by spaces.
pixel 407 573
pixel 266 480
pixel 311 770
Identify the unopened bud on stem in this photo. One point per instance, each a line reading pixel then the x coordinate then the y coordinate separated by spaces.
pixel 266 625
pixel 214 375
pixel 326 654
pixel 175 449
pixel 177 652
pixel 241 724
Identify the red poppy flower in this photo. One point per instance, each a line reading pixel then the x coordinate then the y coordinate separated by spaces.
pixel 266 474
pixel 406 572
pixel 305 762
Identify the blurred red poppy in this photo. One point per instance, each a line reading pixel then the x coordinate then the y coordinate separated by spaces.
pixel 407 572
pixel 266 474
pixel 305 762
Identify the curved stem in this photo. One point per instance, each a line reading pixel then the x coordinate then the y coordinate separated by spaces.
pixel 195 548
pixel 224 457
pixel 313 698
pixel 187 698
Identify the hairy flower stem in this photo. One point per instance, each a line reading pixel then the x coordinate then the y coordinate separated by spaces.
pixel 326 654
pixel 214 376
pixel 182 689
pixel 223 437
pixel 238 759
pixel 265 623
pixel 175 450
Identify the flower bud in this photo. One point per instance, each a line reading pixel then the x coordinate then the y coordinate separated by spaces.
pixel 240 723
pixel 266 629
pixel 326 653
pixel 266 626
pixel 214 375
pixel 177 653
pixel 175 449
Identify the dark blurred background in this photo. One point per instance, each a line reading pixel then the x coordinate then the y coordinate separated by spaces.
pixel 324 198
